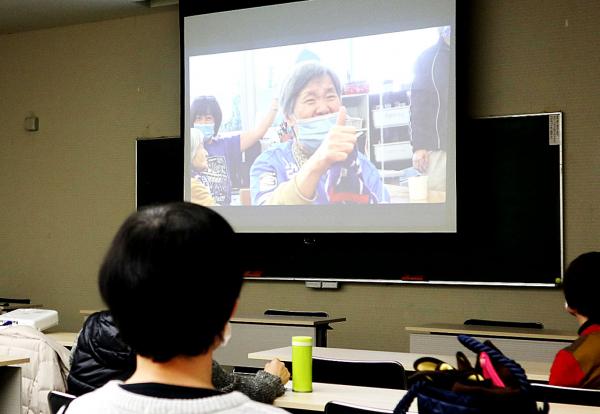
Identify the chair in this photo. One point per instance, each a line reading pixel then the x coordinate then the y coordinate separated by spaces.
pixel 566 395
pixel 380 374
pixel 57 400
pixel 337 407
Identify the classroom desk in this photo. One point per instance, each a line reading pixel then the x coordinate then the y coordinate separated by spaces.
pixel 318 325
pixel 10 381
pixel 535 370
pixel 250 333
pixel 66 339
pixel 253 333
pixel 87 312
pixel 382 398
pixel 13 306
pixel 521 344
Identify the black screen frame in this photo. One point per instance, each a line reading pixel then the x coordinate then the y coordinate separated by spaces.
pixel 158 170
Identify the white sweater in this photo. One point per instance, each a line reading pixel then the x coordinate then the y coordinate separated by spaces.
pixel 112 399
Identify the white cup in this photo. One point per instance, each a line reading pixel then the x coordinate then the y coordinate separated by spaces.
pixel 417 188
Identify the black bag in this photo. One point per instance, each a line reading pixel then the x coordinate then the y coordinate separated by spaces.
pixel 446 393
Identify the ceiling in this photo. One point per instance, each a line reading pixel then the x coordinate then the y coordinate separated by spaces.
pixel 24 15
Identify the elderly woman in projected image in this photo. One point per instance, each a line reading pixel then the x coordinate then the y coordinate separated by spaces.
pixel 224 154
pixel 321 164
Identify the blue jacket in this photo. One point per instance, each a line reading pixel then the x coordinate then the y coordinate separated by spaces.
pixel 278 165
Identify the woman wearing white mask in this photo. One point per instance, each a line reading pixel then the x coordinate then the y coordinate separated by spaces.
pixel 224 153
pixel 306 170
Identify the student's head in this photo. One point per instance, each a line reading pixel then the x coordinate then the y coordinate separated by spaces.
pixel 311 90
pixel 198 154
pixel 581 285
pixel 205 111
pixel 171 279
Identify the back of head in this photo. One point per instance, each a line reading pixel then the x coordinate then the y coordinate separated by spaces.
pixel 171 279
pixel 582 283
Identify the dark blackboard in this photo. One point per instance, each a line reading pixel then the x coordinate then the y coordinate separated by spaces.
pixel 509 216
pixel 509 179
pixel 509 221
pixel 159 170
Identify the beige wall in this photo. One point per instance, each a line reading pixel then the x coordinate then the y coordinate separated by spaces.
pixel 96 87
pixel 65 189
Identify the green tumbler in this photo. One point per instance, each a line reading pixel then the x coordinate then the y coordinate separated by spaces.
pixel 302 363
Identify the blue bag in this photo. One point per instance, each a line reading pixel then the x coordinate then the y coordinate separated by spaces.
pixel 448 396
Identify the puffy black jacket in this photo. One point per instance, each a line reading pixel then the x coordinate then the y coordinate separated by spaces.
pixel 99 355
pixel 429 99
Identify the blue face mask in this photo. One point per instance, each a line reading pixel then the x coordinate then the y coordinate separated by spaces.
pixel 208 130
pixel 311 132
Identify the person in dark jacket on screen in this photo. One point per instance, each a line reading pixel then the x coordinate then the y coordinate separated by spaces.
pixel 429 110
pixel 100 355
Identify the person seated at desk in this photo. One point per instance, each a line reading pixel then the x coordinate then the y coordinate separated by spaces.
pixel 578 365
pixel 100 355
pixel 172 312
pixel 321 164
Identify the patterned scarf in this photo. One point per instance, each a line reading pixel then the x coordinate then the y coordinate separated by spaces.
pixel 345 183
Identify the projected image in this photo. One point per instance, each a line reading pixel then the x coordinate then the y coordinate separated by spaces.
pixel 362 120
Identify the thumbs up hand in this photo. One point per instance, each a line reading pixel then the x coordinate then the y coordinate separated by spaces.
pixel 338 145
pixel 341 119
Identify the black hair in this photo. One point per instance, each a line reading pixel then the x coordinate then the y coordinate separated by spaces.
pixel 581 285
pixel 171 279
pixel 206 105
pixel 302 74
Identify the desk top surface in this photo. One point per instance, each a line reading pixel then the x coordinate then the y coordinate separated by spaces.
pixel 536 371
pixel 13 306
pixel 268 319
pixel 12 360
pixel 63 338
pixel 88 312
pixel 497 331
pixel 287 320
pixel 382 398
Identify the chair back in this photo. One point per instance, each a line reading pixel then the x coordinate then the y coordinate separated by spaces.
pixel 338 407
pixel 57 400
pixel 380 374
pixel 565 395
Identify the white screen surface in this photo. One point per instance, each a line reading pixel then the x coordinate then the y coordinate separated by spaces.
pixel 381 52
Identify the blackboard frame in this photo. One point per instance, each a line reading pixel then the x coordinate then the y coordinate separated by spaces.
pixel 158 170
